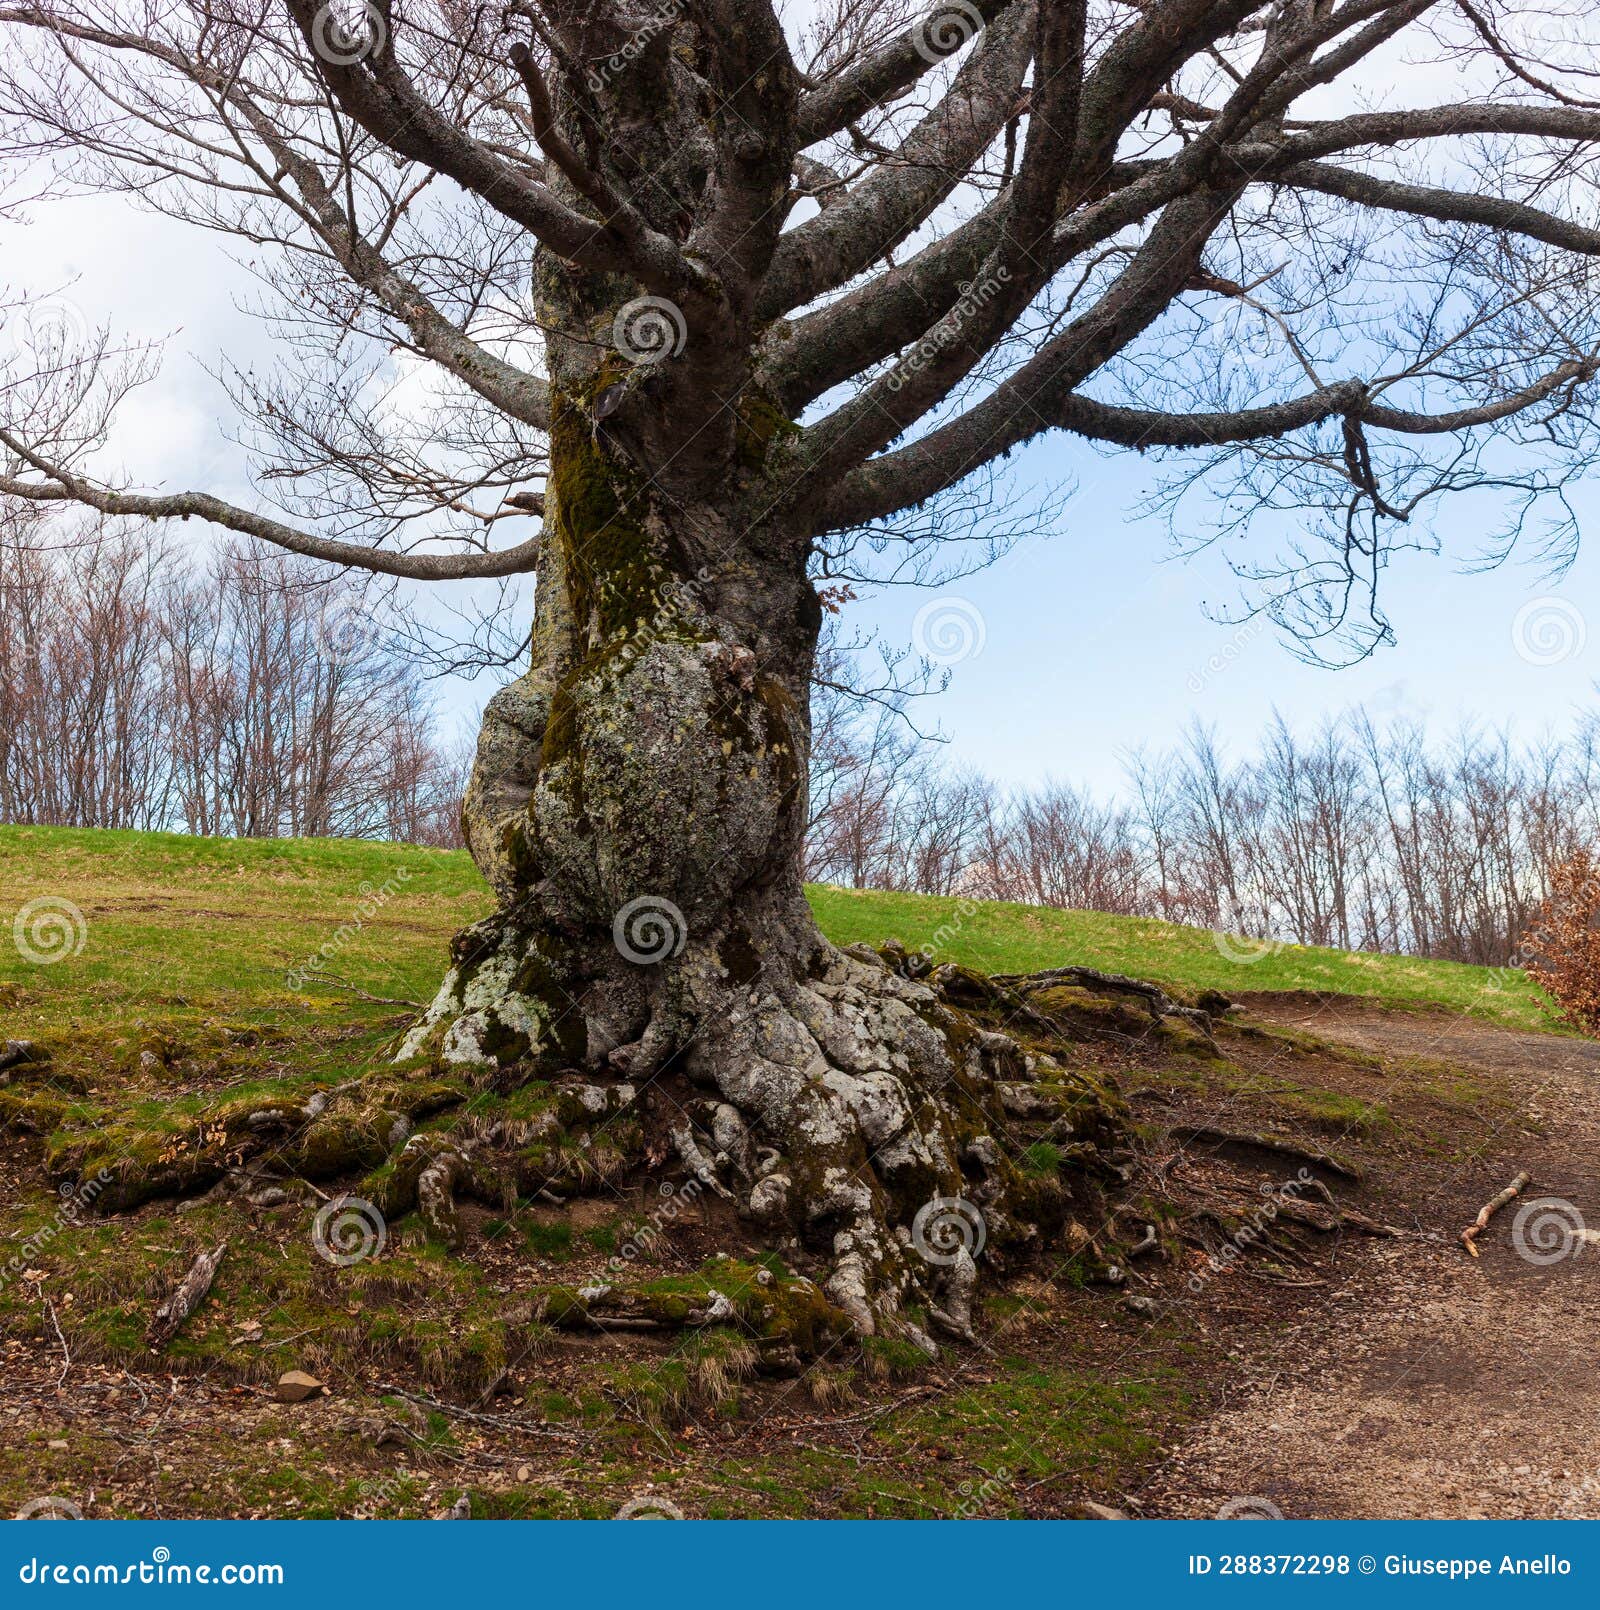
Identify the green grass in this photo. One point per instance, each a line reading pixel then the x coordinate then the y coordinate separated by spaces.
pixel 180 998
pixel 1000 937
pixel 176 928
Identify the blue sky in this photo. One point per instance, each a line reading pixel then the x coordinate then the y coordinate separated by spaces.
pixel 1094 636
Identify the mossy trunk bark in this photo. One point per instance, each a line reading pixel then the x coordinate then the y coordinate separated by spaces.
pixel 640 795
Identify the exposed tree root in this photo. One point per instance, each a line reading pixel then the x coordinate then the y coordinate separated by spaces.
pixel 1256 1140
pixel 856 1106
pixel 905 1134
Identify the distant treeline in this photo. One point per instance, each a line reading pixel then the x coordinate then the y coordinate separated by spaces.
pixel 254 694
pixel 247 694
pixel 1360 836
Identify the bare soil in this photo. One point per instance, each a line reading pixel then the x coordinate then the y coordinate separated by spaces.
pixel 1355 1376
pixel 1428 1383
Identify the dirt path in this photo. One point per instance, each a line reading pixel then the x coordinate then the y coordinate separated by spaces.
pixel 1430 1384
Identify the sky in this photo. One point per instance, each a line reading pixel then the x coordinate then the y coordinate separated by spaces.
pixel 1095 638
pixel 1090 638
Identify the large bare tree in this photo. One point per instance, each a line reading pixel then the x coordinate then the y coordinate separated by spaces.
pixel 720 300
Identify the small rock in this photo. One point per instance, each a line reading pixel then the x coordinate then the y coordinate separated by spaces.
pixel 524 1472
pixel 57 1445
pixel 461 1510
pixel 1144 1307
pixel 1100 1512
pixel 295 1386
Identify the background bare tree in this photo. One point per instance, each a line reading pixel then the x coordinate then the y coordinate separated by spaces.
pixel 253 695
pixel 1360 838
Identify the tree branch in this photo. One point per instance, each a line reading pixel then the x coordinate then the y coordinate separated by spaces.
pixel 61 486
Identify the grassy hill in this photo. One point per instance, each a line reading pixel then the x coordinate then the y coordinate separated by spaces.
pixel 164 984
pixel 220 925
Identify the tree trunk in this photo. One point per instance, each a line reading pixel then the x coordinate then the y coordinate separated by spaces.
pixel 638 804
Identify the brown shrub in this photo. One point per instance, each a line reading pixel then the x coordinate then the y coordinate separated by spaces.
pixel 1563 945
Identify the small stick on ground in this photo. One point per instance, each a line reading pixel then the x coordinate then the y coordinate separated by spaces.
pixel 66 1352
pixel 334 981
pixel 1469 1236
pixel 190 1293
